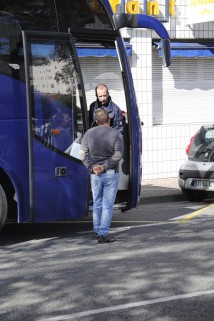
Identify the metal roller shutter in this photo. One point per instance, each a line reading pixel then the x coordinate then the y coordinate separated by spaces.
pixel 106 71
pixel 184 92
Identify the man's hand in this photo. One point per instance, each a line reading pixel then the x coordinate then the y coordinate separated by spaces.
pixel 98 169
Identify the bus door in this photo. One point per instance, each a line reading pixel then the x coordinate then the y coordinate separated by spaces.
pixel 106 53
pixel 56 123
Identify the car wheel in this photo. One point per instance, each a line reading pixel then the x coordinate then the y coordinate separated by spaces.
pixel 194 196
pixel 3 207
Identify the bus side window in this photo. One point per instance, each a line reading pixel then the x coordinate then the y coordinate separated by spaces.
pixel 42 124
pixel 56 94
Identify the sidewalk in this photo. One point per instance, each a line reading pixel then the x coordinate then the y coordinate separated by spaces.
pixel 160 190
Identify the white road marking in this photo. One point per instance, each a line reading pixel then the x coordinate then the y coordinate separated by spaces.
pixel 39 241
pixel 112 230
pixel 125 228
pixel 196 207
pixel 128 306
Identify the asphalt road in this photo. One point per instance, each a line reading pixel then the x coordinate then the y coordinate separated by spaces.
pixel 159 269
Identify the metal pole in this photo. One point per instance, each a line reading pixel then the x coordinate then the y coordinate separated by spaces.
pixel 123 6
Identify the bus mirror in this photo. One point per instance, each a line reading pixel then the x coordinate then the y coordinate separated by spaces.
pixel 123 20
pixel 166 52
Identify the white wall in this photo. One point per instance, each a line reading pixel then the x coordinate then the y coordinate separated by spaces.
pixel 164 145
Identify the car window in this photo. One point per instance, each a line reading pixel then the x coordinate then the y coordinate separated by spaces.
pixel 202 147
pixel 209 135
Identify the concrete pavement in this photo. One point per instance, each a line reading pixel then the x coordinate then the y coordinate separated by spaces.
pixel 160 190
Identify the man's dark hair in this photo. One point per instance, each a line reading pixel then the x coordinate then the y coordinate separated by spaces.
pixel 102 116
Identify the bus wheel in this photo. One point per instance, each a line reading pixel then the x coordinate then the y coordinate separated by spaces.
pixel 3 207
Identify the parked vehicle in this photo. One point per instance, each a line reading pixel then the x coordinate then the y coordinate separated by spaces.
pixel 196 174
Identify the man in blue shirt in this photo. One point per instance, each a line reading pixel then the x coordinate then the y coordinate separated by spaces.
pixel 101 151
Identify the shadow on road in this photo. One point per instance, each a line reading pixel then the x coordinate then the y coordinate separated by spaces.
pixel 14 233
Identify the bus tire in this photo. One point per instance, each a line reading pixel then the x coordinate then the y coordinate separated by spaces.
pixel 3 208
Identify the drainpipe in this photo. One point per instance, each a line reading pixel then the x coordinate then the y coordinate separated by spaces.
pixel 123 6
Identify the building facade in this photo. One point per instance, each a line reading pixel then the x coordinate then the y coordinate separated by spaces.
pixel 174 101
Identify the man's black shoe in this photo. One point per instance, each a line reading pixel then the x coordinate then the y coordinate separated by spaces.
pixel 105 239
pixel 95 236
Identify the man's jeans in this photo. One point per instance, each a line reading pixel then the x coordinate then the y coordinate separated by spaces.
pixel 104 189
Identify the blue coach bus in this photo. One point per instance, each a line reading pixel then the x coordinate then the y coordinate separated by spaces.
pixel 45 93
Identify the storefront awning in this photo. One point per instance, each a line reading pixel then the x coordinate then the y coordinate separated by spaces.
pixel 101 51
pixel 189 49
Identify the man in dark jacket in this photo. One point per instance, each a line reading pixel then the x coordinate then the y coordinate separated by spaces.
pixel 104 100
pixel 101 150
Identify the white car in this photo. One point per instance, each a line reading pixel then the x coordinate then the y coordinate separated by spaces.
pixel 196 174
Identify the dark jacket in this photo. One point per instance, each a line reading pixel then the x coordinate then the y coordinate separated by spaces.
pixel 114 114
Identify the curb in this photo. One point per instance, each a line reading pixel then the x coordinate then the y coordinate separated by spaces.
pixel 161 199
